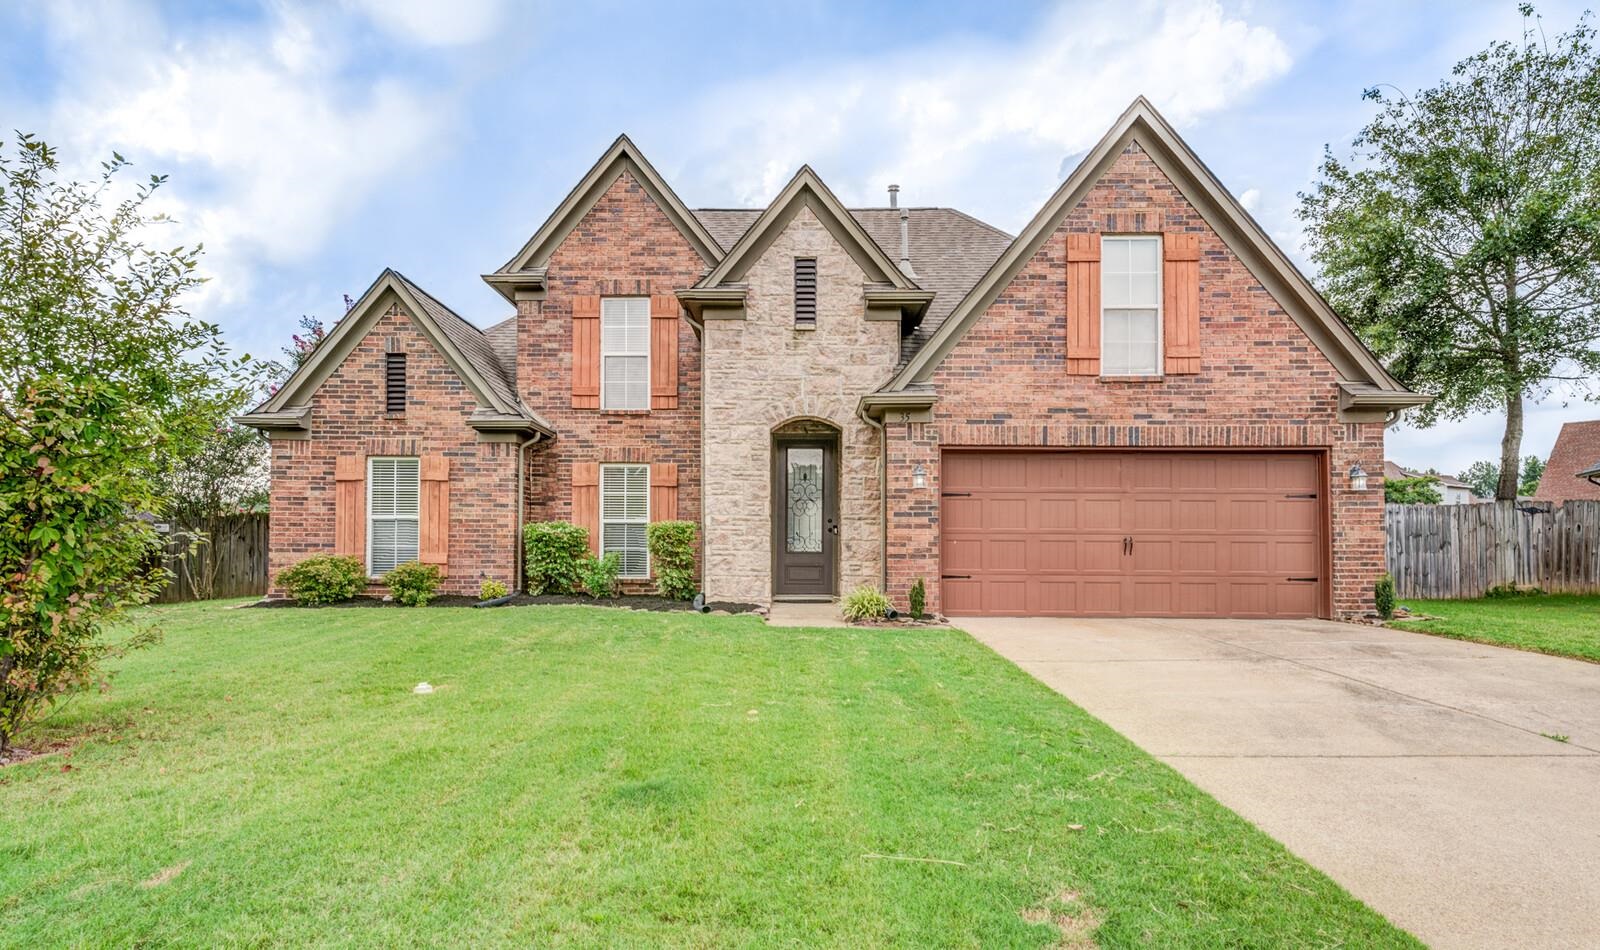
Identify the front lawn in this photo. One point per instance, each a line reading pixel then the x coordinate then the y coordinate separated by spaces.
pixel 1562 624
pixel 592 776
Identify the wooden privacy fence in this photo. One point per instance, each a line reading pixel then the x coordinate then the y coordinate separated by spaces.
pixel 1463 550
pixel 232 562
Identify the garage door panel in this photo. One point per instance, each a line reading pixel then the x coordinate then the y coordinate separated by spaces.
pixel 1132 533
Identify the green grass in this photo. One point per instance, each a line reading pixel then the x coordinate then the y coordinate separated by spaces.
pixel 586 776
pixel 1560 624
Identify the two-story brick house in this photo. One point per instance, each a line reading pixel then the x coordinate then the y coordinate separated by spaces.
pixel 1136 406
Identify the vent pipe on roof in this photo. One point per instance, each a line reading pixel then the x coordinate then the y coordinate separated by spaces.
pixel 905 233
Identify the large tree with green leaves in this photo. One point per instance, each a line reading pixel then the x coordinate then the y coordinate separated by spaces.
pixel 1462 239
pixel 104 379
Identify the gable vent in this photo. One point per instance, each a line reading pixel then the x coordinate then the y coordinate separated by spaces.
pixel 805 292
pixel 394 379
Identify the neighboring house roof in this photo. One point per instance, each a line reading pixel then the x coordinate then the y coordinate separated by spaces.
pixel 1366 382
pixel 1392 471
pixel 1573 464
pixel 465 347
pixel 949 251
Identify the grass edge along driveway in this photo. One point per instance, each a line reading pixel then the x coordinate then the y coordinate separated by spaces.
pixel 1556 624
pixel 588 776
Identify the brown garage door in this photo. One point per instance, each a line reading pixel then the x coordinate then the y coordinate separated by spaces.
pixel 1143 533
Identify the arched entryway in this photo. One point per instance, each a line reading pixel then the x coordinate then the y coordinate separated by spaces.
pixel 805 509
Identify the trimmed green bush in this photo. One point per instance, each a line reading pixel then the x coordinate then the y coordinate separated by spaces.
pixel 413 583
pixel 1511 590
pixel 324 579
pixel 864 603
pixel 554 552
pixel 919 599
pixel 1383 596
pixel 672 547
pixel 599 574
pixel 491 589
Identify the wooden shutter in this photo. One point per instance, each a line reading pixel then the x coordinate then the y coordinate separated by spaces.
pixel 586 352
pixel 433 532
pixel 1083 304
pixel 350 507
pixel 586 500
pixel 664 491
pixel 1180 302
pixel 664 352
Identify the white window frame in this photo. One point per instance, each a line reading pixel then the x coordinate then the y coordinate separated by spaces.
pixel 1155 307
pixel 372 518
pixel 609 399
pixel 643 521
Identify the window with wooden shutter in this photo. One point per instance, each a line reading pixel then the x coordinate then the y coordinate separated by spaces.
pixel 433 542
pixel 350 506
pixel 394 382
pixel 664 491
pixel 664 315
pixel 1181 300
pixel 393 506
pixel 586 501
pixel 625 353
pixel 1083 304
pixel 1130 293
pixel 625 516
pixel 805 293
pixel 586 352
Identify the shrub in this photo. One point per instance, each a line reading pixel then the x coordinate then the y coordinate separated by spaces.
pixel 554 552
pixel 491 589
pixel 1421 490
pixel 1512 590
pixel 413 583
pixel 672 546
pixel 865 603
pixel 599 574
pixel 919 599
pixel 1383 595
pixel 324 579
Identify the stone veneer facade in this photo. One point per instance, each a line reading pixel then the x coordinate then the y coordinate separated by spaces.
pixel 348 418
pixel 1262 385
pixel 760 374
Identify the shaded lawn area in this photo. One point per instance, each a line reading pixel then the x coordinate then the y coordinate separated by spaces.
pixel 1560 624
pixel 589 776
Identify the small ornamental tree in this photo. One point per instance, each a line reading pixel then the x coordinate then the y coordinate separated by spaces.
pixel 104 378
pixel 1421 490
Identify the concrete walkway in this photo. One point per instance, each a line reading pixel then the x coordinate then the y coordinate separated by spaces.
pixel 1411 769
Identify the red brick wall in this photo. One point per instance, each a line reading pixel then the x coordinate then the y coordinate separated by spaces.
pixel 625 245
pixel 1262 384
pixel 348 418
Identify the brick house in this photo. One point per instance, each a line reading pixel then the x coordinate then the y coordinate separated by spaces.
pixel 1136 406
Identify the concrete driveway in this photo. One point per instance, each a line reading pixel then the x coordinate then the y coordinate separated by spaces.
pixel 1411 769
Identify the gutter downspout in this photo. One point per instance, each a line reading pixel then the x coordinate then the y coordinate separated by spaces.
pixel 522 506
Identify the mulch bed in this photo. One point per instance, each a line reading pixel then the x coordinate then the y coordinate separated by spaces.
pixel 629 602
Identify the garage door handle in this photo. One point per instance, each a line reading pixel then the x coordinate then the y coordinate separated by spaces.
pixel 1302 580
pixel 955 577
pixel 955 494
pixel 1310 495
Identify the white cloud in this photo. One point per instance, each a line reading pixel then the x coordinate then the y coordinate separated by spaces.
pixel 934 116
pixel 270 144
pixel 1250 199
pixel 434 22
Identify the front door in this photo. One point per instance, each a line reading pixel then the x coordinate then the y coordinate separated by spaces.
pixel 805 518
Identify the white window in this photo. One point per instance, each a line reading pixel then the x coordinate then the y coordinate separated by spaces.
pixel 625 516
pixel 393 487
pixel 1130 295
pixel 625 353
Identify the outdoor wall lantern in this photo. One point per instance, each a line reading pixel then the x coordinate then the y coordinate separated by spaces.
pixel 919 477
pixel 1358 478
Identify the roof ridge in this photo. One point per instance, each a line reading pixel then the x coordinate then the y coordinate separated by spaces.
pixel 417 289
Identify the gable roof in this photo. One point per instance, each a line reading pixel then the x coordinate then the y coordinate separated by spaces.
pixel 1141 123
pixel 622 156
pixel 949 250
pixel 806 190
pixel 465 347
pixel 1576 453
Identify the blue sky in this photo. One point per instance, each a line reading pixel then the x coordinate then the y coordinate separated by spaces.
pixel 312 144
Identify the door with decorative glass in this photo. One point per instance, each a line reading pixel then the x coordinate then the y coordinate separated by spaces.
pixel 805 518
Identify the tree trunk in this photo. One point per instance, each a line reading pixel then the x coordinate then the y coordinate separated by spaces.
pixel 1511 451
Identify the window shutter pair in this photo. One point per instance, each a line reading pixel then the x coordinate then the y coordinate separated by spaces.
pixel 1180 303
pixel 664 312
pixel 586 497
pixel 350 509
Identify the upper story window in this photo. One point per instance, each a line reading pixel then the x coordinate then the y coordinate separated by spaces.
pixel 394 382
pixel 805 293
pixel 625 516
pixel 393 490
pixel 1130 301
pixel 625 353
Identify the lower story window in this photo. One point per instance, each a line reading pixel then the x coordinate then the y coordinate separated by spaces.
pixel 393 487
pixel 625 516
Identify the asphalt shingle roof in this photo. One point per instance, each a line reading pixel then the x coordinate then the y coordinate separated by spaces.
pixel 473 343
pixel 1577 449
